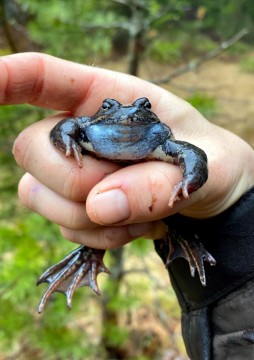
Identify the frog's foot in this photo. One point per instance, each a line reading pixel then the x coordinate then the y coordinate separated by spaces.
pixel 63 136
pixel 73 149
pixel 194 252
pixel 183 188
pixel 79 268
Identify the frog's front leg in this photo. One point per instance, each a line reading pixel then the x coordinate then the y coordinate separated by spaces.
pixel 66 135
pixel 193 162
pixel 79 268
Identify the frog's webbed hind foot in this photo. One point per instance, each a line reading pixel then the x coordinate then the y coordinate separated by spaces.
pixel 79 268
pixel 193 251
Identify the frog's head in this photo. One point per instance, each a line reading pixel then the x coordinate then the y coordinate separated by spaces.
pixel 138 113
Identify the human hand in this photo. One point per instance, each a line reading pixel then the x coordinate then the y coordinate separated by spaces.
pixel 79 199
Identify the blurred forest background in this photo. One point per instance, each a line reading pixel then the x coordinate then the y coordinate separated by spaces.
pixel 200 50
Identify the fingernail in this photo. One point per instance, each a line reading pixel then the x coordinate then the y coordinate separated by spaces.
pixel 137 230
pixel 111 206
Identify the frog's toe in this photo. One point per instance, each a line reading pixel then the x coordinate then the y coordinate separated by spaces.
pixel 79 268
pixel 183 188
pixel 178 190
pixel 73 149
pixel 194 252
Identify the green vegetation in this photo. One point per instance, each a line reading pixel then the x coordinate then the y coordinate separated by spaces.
pixel 247 64
pixel 205 104
pixel 165 51
pixel 92 32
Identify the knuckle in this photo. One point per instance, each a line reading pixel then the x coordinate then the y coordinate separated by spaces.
pixel 76 218
pixel 71 235
pixel 114 237
pixel 21 148
pixel 73 185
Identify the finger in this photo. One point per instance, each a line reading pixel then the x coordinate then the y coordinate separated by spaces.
pixel 50 82
pixel 54 207
pixel 137 193
pixel 55 83
pixel 36 155
pixel 43 80
pixel 112 237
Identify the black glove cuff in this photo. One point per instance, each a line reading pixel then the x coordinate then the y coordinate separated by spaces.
pixel 229 238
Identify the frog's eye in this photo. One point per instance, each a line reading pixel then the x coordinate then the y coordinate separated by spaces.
pixel 108 103
pixel 147 105
pixel 144 102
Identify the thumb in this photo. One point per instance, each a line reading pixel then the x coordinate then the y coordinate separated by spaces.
pixel 133 194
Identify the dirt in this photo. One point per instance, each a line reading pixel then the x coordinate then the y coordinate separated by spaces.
pixel 233 91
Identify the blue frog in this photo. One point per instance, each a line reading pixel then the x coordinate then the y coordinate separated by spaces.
pixel 129 134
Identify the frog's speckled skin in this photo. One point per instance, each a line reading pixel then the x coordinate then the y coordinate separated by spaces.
pixel 127 133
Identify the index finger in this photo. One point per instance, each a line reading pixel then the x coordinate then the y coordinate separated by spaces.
pixel 50 82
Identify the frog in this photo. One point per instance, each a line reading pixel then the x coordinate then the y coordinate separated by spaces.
pixel 127 134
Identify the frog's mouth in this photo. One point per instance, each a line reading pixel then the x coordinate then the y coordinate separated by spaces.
pixel 135 119
pixel 130 134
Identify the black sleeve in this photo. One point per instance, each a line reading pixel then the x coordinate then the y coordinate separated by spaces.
pixel 229 237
